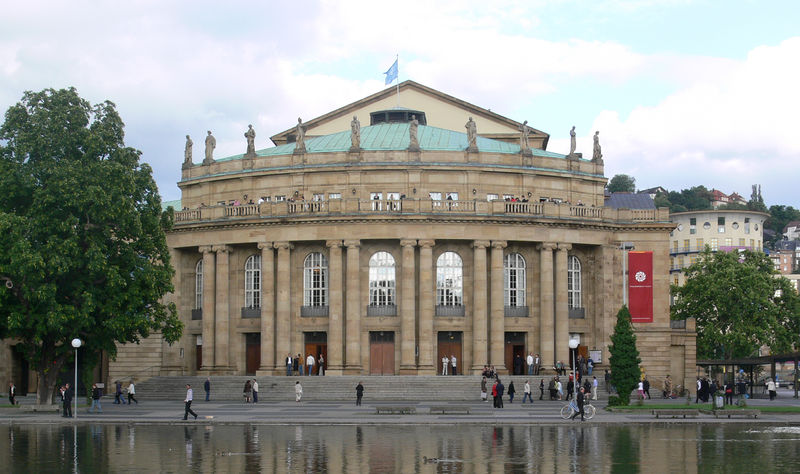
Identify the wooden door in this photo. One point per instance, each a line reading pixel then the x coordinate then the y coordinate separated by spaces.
pixel 381 353
pixel 198 356
pixel 252 353
pixel 316 349
pixel 449 344
pixel 514 345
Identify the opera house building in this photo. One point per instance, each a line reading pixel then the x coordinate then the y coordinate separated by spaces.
pixel 383 237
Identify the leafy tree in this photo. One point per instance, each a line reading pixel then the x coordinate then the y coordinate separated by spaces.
pixel 622 183
pixel 624 359
pixel 82 234
pixel 780 216
pixel 739 305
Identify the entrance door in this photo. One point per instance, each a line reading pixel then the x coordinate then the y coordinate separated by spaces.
pixel 515 346
pixel 316 344
pixel 252 352
pixel 449 344
pixel 381 353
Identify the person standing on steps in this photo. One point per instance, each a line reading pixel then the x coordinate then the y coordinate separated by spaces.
pixel 119 399
pixel 541 389
pixel 511 392
pixel 529 361
pixel 12 392
pixel 247 391
pixel 483 389
pixel 594 387
pixel 289 365
pixel 298 391
pixel 580 400
pixel 500 390
pixel 255 391
pixel 132 393
pixel 445 363
pixel 321 365
pixel 453 364
pixel 310 360
pixel 526 392
pixel 207 388
pixel 188 403
pixel 359 393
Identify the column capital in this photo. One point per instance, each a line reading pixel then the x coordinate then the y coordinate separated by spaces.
pixel 427 243
pixel 221 248
pixel 480 244
pixel 283 245
pixel 352 243
pixel 205 249
pixel 408 243
pixel 499 244
pixel 264 245
pixel 333 244
pixel 564 247
pixel 547 246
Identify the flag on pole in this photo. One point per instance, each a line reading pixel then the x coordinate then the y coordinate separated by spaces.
pixel 391 73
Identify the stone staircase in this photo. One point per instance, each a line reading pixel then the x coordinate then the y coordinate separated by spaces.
pixel 337 388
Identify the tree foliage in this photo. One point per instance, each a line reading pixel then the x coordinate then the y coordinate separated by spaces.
pixel 82 234
pixel 780 216
pixel 739 305
pixel 624 359
pixel 622 183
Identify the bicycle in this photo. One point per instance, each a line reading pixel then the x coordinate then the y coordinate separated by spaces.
pixel 572 407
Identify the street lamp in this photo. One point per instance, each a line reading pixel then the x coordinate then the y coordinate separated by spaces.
pixel 573 344
pixel 76 343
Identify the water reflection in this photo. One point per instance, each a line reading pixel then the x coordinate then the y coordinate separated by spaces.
pixel 445 449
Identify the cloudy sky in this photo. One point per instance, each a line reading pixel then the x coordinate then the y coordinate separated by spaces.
pixel 683 92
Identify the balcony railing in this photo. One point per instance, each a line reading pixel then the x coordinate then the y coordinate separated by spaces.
pixel 677 324
pixel 516 311
pixel 577 313
pixel 197 314
pixel 382 310
pixel 544 210
pixel 314 311
pixel 450 311
pixel 251 313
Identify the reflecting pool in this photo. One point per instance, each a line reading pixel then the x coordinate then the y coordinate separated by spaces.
pixel 391 448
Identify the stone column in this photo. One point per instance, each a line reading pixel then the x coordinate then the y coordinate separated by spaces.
pixel 561 310
pixel 222 316
pixel 353 323
pixel 283 314
pixel 268 366
pixel 497 327
pixel 209 282
pixel 427 289
pixel 546 329
pixel 408 341
pixel 335 343
pixel 480 324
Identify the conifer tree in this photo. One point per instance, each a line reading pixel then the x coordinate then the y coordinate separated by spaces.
pixel 624 358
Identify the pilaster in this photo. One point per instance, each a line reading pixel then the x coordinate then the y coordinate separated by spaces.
pixel 546 298
pixel 267 310
pixel 426 308
pixel 497 326
pixel 408 361
pixel 561 309
pixel 222 316
pixel 283 319
pixel 353 322
pixel 480 326
pixel 209 284
pixel 335 330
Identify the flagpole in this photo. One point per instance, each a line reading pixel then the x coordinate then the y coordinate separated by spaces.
pixel 397 79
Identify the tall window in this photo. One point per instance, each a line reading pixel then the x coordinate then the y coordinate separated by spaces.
pixel 514 280
pixel 315 280
pixel 449 283
pixel 381 279
pixel 252 282
pixel 573 282
pixel 198 285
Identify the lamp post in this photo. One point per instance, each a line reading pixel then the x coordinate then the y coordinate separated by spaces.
pixel 76 343
pixel 573 344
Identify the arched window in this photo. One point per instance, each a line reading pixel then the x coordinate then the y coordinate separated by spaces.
pixel 574 283
pixel 449 281
pixel 514 280
pixel 315 280
pixel 198 285
pixel 381 279
pixel 252 282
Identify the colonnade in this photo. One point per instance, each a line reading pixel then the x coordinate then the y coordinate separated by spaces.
pixel 416 316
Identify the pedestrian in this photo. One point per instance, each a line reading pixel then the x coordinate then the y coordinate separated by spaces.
pixel 12 393
pixel 247 392
pixel 607 378
pixel 359 393
pixel 511 392
pixel 445 364
pixel 551 387
pixel 321 365
pixel 580 399
pixel 771 389
pixel 594 387
pixel 500 390
pixel 559 389
pixel 729 392
pixel 646 386
pixel 67 401
pixel 453 364
pixel 96 394
pixel 132 393
pixel 289 365
pixel 188 403
pixel 300 362
pixel 570 387
pixel 255 391
pixel 119 398
pixel 483 390
pixel 296 364
pixel 529 361
pixel 667 393
pixel 541 389
pixel 537 364
pixel 494 393
pixel 526 392
pixel 298 391
pixel 518 365
pixel 207 388
pixel 589 366
pixel 640 390
pixel 310 360
pixel 699 391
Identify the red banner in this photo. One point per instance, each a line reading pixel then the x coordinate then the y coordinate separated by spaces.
pixel 640 286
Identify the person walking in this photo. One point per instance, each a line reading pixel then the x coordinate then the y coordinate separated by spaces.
pixel 359 393
pixel 646 387
pixel 247 392
pixel 12 393
pixel 96 394
pixel 640 390
pixel 500 390
pixel 771 389
pixel 255 391
pixel 570 387
pixel 310 361
pixel 494 393
pixel 207 388
pixel 119 398
pixel 298 391
pixel 511 392
pixel 132 393
pixel 483 390
pixel 67 401
pixel 559 389
pixel 526 392
pixel 541 389
pixel 594 387
pixel 580 400
pixel 188 403
pixel 453 364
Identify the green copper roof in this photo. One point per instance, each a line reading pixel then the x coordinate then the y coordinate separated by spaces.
pixel 175 205
pixel 395 136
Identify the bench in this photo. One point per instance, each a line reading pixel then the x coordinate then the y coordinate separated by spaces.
pixel 742 413
pixel 392 410
pixel 675 413
pixel 450 410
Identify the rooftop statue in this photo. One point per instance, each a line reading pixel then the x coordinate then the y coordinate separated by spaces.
pixel 355 133
pixel 524 145
pixel 597 154
pixel 187 152
pixel 211 143
pixel 300 138
pixel 472 135
pixel 412 133
pixel 572 143
pixel 250 134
